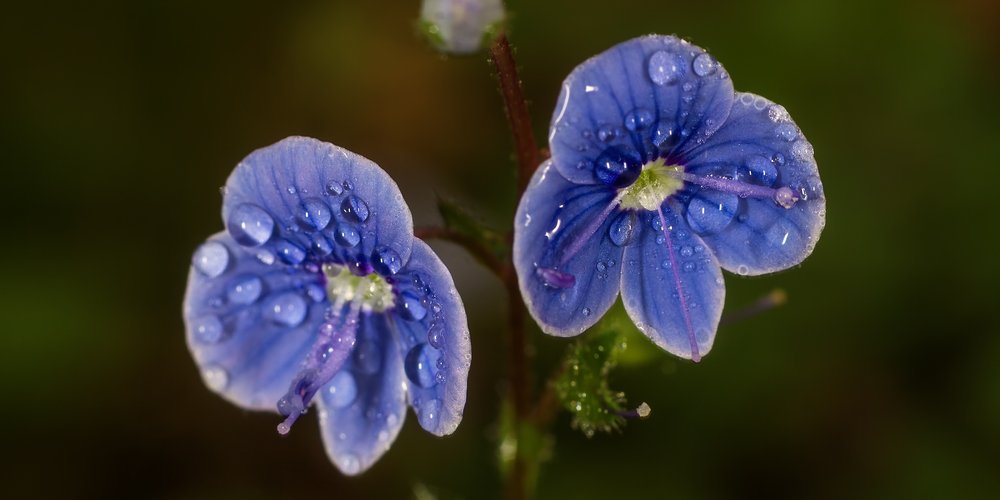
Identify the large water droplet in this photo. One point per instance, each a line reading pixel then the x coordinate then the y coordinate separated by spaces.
pixel 313 215
pixel 711 211
pixel 244 290
pixel 355 209
pixel 290 252
pixel 638 119
pixel 435 335
pixel 250 225
pixel 410 308
pixel 321 245
pixel 666 68
pixel 341 390
pixel 288 309
pixel 367 357
pixel 705 65
pixel 429 414
pixel 616 168
pixel 623 229
pixel 757 170
pixel 348 462
pixel 207 329
pixel 385 261
pixel 786 131
pixel 211 259
pixel 215 377
pixel 346 236
pixel 421 365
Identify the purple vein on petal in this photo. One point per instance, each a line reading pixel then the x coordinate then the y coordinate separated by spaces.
pixel 581 239
pixel 695 356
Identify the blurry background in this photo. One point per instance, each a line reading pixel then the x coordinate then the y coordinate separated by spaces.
pixel 120 120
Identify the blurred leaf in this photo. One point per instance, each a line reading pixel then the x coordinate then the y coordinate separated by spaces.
pixel 582 387
pixel 523 440
pixel 459 220
pixel 641 351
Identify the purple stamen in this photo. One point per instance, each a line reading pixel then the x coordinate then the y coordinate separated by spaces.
pixel 783 196
pixel 556 279
pixel 695 356
pixel 329 352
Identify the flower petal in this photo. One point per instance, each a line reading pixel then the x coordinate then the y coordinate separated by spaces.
pixel 553 215
pixel 650 290
pixel 647 94
pixel 301 194
pixel 760 144
pixel 249 324
pixel 362 409
pixel 433 332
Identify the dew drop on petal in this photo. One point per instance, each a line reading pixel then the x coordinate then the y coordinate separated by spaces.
pixel 290 252
pixel 346 236
pixel 429 414
pixel 743 270
pixel 409 307
pixel 244 290
pixel 354 209
pixel 211 259
pixel 585 311
pixel 366 357
pixel 207 329
pixel 666 68
pixel 385 261
pixel 348 185
pixel 638 119
pixel 288 309
pixel 250 225
pixel 315 292
pixel 215 377
pixel 705 65
pixel 623 228
pixel 420 365
pixel 435 336
pixel 786 131
pixel 349 463
pixel 778 159
pixel 321 245
pixel 342 390
pixel 333 188
pixel 313 215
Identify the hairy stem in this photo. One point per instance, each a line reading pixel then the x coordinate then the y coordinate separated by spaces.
pixel 517 111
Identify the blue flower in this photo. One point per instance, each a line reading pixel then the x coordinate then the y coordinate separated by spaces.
pixel 661 174
pixel 461 26
pixel 318 292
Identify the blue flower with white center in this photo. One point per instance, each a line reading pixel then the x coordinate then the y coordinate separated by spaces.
pixel 661 174
pixel 318 293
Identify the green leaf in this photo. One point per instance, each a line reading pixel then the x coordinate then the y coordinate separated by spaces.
pixel 583 389
pixel 524 440
pixel 460 221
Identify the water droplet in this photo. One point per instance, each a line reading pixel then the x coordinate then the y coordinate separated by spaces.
pixel 687 251
pixel 420 365
pixel 802 151
pixel 321 245
pixel 601 267
pixel 250 225
pixel 440 377
pixel 313 215
pixel 743 270
pixel 346 236
pixel 606 133
pixel 348 185
pixel 430 414
pixel 207 329
pixel 638 119
pixel 758 170
pixel 215 377
pixel 291 189
pixel 435 336
pixel 786 131
pixel 711 211
pixel 617 168
pixel 665 264
pixel 288 309
pixel 244 290
pixel 211 259
pixel 315 292
pixel 689 266
pixel 688 87
pixel 699 249
pixel 385 261
pixel 705 65
pixel 391 420
pixel 355 209
pixel 666 68
pixel 587 134
pixel 341 390
pixel 778 159
pixel 778 114
pixel 333 188
pixel 348 462
pixel 580 165
pixel 660 239
pixel 409 307
pixel 367 357
pixel 290 252
pixel 623 229
pixel 265 256
pixel 611 263
pixel 586 311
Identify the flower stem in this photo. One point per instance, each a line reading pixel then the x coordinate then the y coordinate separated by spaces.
pixel 517 111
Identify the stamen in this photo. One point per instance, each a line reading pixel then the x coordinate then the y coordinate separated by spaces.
pixel 783 196
pixel 695 355
pixel 641 412
pixel 330 351
pixel 558 279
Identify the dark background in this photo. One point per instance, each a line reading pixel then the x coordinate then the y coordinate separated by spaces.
pixel 120 120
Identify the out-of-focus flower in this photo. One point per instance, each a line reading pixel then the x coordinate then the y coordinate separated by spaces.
pixel 461 26
pixel 318 292
pixel 661 174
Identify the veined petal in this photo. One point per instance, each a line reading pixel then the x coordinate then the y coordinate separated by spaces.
pixel 650 288
pixel 291 194
pixel 553 216
pixel 362 409
pixel 760 144
pixel 650 95
pixel 433 333
pixel 249 324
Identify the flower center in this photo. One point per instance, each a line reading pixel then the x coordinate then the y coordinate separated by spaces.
pixel 342 286
pixel 654 185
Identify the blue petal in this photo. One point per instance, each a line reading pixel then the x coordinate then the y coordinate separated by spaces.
pixel 760 144
pixel 362 409
pixel 551 215
pixel 301 193
pixel 646 95
pixel 650 291
pixel 249 326
pixel 433 333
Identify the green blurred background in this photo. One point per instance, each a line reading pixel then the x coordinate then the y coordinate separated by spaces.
pixel 120 120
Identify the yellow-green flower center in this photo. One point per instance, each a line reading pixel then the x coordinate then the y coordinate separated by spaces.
pixel 654 185
pixel 341 286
